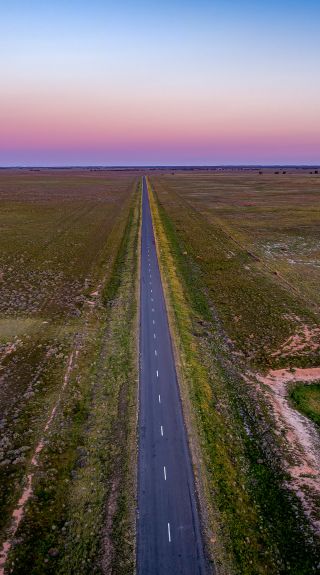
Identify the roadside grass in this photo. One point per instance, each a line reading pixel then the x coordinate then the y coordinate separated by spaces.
pixel 61 530
pixel 253 523
pixel 306 398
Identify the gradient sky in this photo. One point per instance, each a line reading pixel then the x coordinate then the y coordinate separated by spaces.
pixel 167 82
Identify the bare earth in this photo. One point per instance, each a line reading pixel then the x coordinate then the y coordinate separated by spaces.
pixel 302 437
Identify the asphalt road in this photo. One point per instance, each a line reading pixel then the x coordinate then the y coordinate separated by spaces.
pixel 168 526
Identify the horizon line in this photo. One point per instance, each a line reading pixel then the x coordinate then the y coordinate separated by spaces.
pixel 154 166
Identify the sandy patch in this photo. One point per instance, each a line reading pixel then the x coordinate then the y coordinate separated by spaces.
pixel 307 339
pixel 302 436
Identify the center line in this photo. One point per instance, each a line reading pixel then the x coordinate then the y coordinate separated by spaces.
pixel 165 473
pixel 169 534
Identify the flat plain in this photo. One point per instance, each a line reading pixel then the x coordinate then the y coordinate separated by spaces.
pixel 240 260
pixel 239 253
pixel 68 369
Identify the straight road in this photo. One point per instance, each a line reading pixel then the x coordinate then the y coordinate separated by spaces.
pixel 169 536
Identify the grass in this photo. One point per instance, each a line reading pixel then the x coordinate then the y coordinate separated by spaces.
pixel 222 221
pixel 255 525
pixel 82 510
pixel 306 398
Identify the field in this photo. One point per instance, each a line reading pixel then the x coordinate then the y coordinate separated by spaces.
pixel 239 254
pixel 69 272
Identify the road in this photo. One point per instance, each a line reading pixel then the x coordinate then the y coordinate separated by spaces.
pixel 168 526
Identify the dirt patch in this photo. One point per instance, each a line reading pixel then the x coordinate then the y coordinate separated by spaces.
pixel 301 435
pixel 7 350
pixel 306 340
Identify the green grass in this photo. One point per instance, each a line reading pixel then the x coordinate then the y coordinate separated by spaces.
pixel 306 398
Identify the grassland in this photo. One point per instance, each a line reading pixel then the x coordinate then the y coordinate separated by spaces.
pixel 307 399
pixel 69 273
pixel 235 313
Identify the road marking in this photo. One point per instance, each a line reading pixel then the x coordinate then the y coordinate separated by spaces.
pixel 152 310
pixel 155 352
pixel 165 473
pixel 169 533
pixel 154 336
pixel 151 289
pixel 161 429
pixel 159 399
pixel 152 299
pixel 157 373
pixel 153 322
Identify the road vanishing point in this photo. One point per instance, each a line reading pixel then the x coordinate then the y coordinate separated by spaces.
pixel 169 540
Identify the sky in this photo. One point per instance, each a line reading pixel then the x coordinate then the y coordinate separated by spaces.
pixel 85 82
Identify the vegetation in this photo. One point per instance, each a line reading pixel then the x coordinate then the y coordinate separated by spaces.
pixel 257 309
pixel 228 315
pixel 306 399
pixel 81 231
pixel 242 298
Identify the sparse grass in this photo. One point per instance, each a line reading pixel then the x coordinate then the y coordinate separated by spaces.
pixel 87 458
pixel 256 525
pixel 306 398
pixel 257 311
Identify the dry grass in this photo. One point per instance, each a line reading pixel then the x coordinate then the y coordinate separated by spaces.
pixel 64 239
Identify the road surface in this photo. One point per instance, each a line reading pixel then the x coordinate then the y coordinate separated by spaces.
pixel 169 536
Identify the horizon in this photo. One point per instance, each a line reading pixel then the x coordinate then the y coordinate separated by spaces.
pixel 159 166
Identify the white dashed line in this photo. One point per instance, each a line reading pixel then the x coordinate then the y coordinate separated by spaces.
pixel 155 352
pixel 153 322
pixel 154 336
pixel 159 399
pixel 161 429
pixel 157 373
pixel 165 473
pixel 152 310
pixel 169 533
